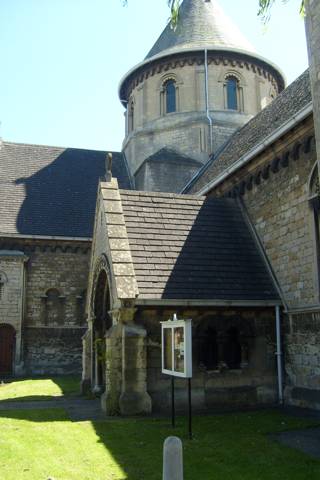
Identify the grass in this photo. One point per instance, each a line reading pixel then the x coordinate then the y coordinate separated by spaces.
pixel 39 388
pixel 38 444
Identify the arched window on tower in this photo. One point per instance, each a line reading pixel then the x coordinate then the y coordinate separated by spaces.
pixel 131 116
pixel 232 88
pixel 170 96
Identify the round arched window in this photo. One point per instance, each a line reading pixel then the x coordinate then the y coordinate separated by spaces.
pixel 232 93
pixel 170 92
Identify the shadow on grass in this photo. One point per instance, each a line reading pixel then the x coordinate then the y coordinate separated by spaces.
pixel 224 446
pixel 69 385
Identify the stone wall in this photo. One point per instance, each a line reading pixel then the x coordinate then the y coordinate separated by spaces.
pixel 164 175
pixel 190 79
pixel 64 271
pixel 303 360
pixel 277 204
pixel 186 133
pixel 313 41
pixel 280 211
pixel 252 384
pixel 56 276
pixel 53 351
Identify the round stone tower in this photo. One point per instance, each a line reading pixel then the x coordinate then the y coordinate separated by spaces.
pixel 197 85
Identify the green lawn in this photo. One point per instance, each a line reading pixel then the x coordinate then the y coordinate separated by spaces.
pixel 38 444
pixel 39 388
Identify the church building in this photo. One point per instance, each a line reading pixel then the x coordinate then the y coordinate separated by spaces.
pixel 210 212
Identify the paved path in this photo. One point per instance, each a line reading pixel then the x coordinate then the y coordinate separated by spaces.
pixel 307 440
pixel 78 408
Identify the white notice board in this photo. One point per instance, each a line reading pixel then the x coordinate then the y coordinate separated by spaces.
pixel 176 347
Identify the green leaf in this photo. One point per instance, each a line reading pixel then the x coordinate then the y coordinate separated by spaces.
pixel 265 6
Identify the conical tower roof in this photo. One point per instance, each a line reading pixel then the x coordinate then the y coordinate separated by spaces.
pixel 202 24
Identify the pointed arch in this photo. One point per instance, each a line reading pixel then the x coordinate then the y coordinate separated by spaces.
pixel 100 306
pixel 314 202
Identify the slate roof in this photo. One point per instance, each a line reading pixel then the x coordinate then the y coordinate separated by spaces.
pixel 202 23
pixel 283 108
pixel 166 170
pixel 52 191
pixel 186 247
pixel 169 155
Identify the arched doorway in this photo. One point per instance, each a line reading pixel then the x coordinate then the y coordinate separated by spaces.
pixel 102 322
pixel 7 349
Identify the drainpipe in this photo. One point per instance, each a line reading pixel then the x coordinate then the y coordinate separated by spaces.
pixel 206 84
pixel 279 355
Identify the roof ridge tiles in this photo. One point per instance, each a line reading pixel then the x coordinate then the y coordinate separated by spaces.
pixel 141 193
pixel 56 147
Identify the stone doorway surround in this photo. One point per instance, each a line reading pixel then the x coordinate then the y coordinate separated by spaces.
pixel 7 349
pixel 125 390
pixel 12 304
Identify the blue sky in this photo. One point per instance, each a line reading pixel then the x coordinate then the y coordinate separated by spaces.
pixel 62 60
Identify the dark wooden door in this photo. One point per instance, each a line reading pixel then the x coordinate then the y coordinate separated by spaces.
pixel 7 344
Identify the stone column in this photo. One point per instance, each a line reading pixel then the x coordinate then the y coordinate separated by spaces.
pixel 313 41
pixel 134 398
pixel 19 363
pixel 86 362
pixel 110 398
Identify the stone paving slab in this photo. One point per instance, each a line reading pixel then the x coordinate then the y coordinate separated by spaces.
pixel 77 408
pixel 307 440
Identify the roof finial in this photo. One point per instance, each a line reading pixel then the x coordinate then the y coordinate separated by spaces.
pixel 109 167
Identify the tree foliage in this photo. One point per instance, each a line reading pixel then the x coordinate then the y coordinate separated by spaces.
pixel 265 6
pixel 264 9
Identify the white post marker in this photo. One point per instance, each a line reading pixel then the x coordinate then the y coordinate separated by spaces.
pixel 172 459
